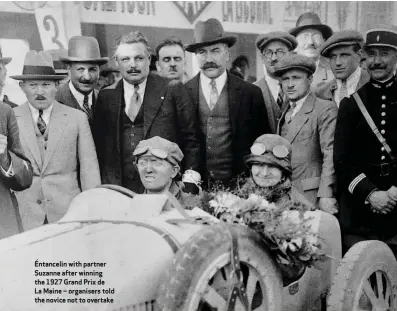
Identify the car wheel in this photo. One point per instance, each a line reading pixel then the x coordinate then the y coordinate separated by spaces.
pixel 199 278
pixel 365 280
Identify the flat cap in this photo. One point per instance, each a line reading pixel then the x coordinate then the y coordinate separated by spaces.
pixel 294 61
pixel 382 36
pixel 282 36
pixel 341 38
pixel 160 148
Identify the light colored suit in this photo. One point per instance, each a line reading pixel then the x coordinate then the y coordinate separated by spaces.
pixel 69 166
pixel 311 133
pixel 322 75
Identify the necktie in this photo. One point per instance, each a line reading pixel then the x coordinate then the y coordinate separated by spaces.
pixel 280 97
pixel 86 107
pixel 213 94
pixel 343 90
pixel 41 123
pixel 288 115
pixel 135 104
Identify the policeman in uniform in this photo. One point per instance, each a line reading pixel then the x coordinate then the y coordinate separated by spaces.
pixel 366 172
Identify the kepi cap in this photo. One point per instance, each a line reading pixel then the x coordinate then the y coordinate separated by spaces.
pixel 382 36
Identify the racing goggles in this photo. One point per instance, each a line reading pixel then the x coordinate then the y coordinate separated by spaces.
pixel 158 153
pixel 280 151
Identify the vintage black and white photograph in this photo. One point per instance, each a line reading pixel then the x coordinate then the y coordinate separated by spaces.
pixel 198 155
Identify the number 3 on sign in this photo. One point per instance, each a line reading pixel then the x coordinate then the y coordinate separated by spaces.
pixel 47 21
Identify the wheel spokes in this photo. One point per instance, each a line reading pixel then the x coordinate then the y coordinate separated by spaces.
pixel 212 297
pixel 370 293
pixel 379 285
pixel 251 285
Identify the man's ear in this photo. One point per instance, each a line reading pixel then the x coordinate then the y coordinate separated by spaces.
pixel 158 66
pixel 21 84
pixel 175 170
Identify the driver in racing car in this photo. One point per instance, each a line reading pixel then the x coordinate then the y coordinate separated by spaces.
pixel 158 163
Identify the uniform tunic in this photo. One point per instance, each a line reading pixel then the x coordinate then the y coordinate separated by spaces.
pixel 362 165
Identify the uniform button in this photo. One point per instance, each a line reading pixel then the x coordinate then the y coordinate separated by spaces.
pixel 209 148
pixel 133 135
pixel 211 173
pixel 382 131
pixel 382 158
pixel 383 122
pixel 382 149
pixel 383 97
pixel 209 136
pixel 38 201
pixel 133 126
pixel 383 114
pixel 383 106
pixel 210 127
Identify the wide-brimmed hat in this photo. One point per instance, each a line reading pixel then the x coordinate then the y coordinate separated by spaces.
pixel 383 36
pixel 38 66
pixel 59 66
pixel 208 33
pixel 341 38
pixel 4 60
pixel 84 49
pixel 294 61
pixel 311 20
pixel 271 149
pixel 264 39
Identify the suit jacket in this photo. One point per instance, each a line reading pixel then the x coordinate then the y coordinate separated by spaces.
pixel 168 113
pixel 70 164
pixel 322 75
pixel 327 90
pixel 272 108
pixel 64 96
pixel 311 133
pixel 248 118
pixel 10 220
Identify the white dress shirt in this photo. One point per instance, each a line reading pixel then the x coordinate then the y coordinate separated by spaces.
pixel 129 90
pixel 206 86
pixel 351 82
pixel 299 105
pixel 274 86
pixel 46 114
pixel 80 96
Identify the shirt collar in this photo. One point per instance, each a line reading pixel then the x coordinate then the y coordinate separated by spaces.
pixel 130 87
pixel 352 80
pixel 300 102
pixel 220 81
pixel 79 96
pixel 386 84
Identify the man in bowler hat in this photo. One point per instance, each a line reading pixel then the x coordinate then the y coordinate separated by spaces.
pixel 83 63
pixel 273 47
pixel 140 106
pixel 343 51
pixel 308 123
pixel 58 142
pixel 231 111
pixel 311 34
pixel 366 168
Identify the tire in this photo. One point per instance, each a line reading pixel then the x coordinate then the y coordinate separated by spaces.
pixel 366 279
pixel 200 269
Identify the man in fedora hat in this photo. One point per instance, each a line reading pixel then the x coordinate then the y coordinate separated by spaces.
pixel 83 61
pixel 308 122
pixel 273 47
pixel 343 51
pixel 58 142
pixel 311 34
pixel 140 106
pixel 231 111
pixel 364 154
pixel 108 75
pixel 60 67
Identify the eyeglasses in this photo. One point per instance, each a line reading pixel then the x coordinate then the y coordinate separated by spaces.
pixel 280 151
pixel 269 53
pixel 156 163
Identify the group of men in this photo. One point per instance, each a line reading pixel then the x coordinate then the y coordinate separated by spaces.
pixel 72 138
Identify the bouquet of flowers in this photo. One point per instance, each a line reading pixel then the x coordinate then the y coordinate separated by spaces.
pixel 285 226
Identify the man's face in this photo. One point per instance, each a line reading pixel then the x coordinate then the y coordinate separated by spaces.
pixel 266 175
pixel 3 75
pixel 156 174
pixel 40 93
pixel 171 63
pixel 343 61
pixel 213 59
pixel 296 84
pixel 84 76
pixel 272 53
pixel 381 62
pixel 309 42
pixel 133 62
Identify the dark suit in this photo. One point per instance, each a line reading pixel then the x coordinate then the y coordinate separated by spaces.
pixel 10 220
pixel 64 96
pixel 167 112
pixel 248 118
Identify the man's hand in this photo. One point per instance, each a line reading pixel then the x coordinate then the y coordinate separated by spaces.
pixel 4 161
pixel 381 202
pixel 329 205
pixel 392 192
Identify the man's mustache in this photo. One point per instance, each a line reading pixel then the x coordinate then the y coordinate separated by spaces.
pixel 210 65
pixel 133 70
pixel 376 66
pixel 273 62
pixel 86 81
pixel 173 69
pixel 41 97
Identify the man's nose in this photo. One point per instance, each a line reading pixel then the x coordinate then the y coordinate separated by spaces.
pixel 377 59
pixel 290 83
pixel 274 56
pixel 338 61
pixel 86 75
pixel 310 40
pixel 264 170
